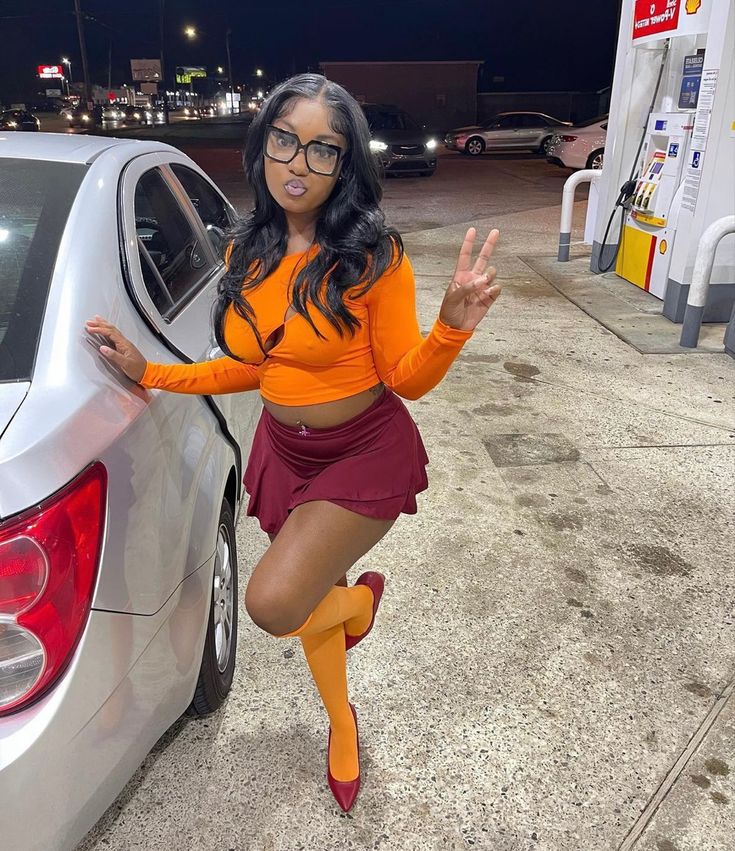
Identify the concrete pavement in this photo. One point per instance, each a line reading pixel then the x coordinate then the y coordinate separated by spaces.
pixel 552 668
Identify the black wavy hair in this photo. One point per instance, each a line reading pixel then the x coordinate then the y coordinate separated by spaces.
pixel 355 245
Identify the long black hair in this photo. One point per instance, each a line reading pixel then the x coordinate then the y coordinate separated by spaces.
pixel 355 245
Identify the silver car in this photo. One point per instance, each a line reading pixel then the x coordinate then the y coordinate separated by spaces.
pixel 507 131
pixel 118 566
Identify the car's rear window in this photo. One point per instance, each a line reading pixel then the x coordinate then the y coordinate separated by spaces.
pixel 590 121
pixel 35 199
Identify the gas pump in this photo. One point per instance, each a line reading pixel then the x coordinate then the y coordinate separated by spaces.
pixel 650 225
pixel 670 152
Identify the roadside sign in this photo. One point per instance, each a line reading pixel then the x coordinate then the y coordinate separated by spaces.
pixel 145 70
pixel 50 72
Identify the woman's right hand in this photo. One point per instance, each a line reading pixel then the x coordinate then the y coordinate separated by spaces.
pixel 122 353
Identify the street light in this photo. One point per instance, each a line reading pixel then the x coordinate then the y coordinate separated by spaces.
pixel 66 61
pixel 220 69
pixel 190 32
pixel 258 72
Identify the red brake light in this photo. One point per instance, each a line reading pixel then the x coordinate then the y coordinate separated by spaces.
pixel 568 138
pixel 48 564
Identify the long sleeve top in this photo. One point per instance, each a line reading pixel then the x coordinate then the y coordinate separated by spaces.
pixel 303 369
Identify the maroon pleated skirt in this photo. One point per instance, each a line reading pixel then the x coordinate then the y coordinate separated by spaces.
pixel 373 464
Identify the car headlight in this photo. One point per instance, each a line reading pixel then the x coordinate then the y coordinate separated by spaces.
pixel 12 124
pixel 85 118
pixel 431 144
pixel 376 146
pixel 147 115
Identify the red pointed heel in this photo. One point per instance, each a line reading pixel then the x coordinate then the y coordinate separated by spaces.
pixel 376 583
pixel 345 792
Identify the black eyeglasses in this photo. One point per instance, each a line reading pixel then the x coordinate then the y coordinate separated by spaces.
pixel 283 147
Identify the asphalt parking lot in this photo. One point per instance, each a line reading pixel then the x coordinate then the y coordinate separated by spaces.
pixel 552 667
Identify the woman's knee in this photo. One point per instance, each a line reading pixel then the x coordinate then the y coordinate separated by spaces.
pixel 272 610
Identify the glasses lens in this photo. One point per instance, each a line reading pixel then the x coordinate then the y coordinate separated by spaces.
pixel 281 145
pixel 321 158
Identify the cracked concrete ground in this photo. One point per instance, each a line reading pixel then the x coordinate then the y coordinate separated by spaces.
pixel 552 667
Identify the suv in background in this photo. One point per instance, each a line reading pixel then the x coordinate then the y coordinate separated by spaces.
pixel 400 142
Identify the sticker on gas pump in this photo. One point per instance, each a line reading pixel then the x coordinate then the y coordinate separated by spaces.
pixel 674 149
pixel 696 157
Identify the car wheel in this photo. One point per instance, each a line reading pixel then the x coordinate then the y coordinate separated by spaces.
pixel 220 645
pixel 544 146
pixel 594 160
pixel 475 146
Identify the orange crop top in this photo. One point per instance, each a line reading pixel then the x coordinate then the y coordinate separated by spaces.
pixel 302 369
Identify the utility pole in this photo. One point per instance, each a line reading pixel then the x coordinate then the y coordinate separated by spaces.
pixel 109 68
pixel 229 72
pixel 83 50
pixel 162 82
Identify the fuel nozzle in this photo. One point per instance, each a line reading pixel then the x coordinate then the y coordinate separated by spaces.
pixel 627 191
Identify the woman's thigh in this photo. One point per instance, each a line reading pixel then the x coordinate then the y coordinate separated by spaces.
pixel 314 549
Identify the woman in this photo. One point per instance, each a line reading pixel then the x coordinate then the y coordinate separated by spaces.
pixel 317 311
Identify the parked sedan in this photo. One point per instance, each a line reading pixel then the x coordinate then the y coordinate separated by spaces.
pixel 400 142
pixel 19 119
pixel 508 131
pixel 582 146
pixel 118 563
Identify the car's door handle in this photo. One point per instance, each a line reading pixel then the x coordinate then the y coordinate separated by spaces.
pixel 214 353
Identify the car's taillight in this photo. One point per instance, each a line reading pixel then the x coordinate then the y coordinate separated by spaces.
pixel 568 138
pixel 48 564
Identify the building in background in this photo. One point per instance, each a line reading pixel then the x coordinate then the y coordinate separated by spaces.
pixel 439 94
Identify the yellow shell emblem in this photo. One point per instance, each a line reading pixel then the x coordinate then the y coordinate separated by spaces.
pixel 692 6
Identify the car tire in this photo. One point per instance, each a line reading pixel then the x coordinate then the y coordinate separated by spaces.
pixel 220 646
pixel 594 160
pixel 543 147
pixel 475 146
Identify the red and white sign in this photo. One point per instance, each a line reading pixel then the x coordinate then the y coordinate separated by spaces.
pixel 654 17
pixel 48 72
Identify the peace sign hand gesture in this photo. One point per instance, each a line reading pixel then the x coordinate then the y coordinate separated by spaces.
pixel 471 293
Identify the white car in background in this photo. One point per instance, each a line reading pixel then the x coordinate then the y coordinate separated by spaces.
pixel 581 146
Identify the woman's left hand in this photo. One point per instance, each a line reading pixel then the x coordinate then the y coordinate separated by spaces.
pixel 472 292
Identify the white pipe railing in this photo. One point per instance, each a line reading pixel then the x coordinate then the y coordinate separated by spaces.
pixel 567 207
pixel 703 263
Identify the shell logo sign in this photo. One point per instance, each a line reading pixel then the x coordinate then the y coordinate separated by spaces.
pixel 657 19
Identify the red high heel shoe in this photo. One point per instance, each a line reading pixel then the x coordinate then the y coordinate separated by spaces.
pixel 344 791
pixel 375 582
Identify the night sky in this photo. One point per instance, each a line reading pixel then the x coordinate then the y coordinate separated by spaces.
pixel 535 45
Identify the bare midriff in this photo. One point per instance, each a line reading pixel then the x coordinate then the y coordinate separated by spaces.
pixel 325 414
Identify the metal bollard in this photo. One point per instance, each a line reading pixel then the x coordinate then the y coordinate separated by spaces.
pixel 567 206
pixel 699 288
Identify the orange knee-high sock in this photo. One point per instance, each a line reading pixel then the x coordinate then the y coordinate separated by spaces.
pixel 325 652
pixel 350 606
pixel 323 639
